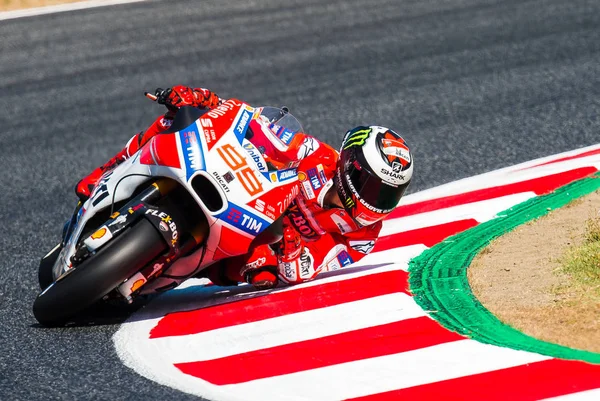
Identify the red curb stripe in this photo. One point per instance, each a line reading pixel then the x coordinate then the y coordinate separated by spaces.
pixel 280 304
pixel 533 381
pixel 428 236
pixel 329 294
pixel 577 156
pixel 373 342
pixel 540 186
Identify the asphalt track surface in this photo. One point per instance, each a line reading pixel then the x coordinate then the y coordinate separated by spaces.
pixel 473 85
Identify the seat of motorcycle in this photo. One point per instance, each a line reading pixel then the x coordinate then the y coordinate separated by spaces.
pixel 185 117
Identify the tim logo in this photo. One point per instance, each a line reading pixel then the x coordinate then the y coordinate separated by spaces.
pixel 344 259
pixel 244 220
pixel 314 178
pixel 286 136
pixel 234 215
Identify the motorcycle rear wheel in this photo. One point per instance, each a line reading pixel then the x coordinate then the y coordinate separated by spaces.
pixel 99 274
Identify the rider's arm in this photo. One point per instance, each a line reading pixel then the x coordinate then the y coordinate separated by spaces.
pixel 331 251
pixel 178 96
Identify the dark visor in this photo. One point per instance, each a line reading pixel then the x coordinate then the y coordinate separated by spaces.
pixel 373 191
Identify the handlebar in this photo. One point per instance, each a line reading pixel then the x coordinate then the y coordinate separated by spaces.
pixel 160 95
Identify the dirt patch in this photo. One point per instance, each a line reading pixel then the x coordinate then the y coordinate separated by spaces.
pixel 520 278
pixel 10 5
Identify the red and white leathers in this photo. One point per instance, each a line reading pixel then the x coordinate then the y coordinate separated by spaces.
pixel 329 237
pixel 317 237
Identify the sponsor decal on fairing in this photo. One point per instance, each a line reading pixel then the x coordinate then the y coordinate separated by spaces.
pixel 284 175
pixel 223 108
pixel 100 237
pixel 221 181
pixel 228 176
pixel 209 133
pixel 165 222
pixel 120 220
pixel 101 190
pixel 241 126
pixel 255 156
pixel 243 219
pixel 192 150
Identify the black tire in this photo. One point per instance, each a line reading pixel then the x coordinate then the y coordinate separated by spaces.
pixel 45 277
pixel 98 275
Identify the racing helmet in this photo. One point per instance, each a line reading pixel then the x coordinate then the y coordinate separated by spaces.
pixel 372 173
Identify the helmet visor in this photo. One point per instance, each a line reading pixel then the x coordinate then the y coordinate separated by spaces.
pixel 371 190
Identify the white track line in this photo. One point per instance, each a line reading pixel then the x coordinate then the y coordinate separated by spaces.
pixel 80 5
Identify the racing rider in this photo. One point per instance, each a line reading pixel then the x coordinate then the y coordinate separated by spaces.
pixel 337 215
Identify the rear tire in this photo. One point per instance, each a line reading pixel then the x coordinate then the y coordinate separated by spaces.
pixel 98 275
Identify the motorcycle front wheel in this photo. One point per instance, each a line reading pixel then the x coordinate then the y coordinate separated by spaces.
pixel 102 272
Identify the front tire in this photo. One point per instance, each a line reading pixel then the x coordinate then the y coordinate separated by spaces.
pixel 45 276
pixel 99 274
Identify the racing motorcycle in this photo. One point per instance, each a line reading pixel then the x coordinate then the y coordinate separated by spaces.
pixel 190 197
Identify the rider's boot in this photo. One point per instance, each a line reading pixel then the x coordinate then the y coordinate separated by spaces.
pixel 258 267
pixel 86 185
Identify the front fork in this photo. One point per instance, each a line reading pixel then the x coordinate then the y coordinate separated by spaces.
pixel 143 207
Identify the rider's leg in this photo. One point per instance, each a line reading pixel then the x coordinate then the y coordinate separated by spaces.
pixel 86 185
pixel 258 267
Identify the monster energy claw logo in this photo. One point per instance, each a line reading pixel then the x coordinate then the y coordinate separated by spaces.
pixel 357 138
pixel 349 202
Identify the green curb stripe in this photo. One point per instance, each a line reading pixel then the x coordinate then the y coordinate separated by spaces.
pixel 438 277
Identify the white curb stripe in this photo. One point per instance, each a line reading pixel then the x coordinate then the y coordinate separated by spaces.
pixel 400 256
pixel 80 5
pixel 287 329
pixel 502 177
pixel 481 211
pixel 377 375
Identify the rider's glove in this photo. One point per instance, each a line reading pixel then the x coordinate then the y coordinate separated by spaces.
pixel 180 95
